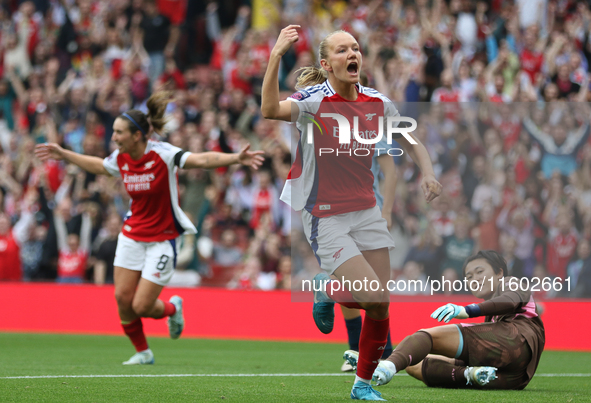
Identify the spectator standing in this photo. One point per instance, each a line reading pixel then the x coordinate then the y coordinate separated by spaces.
pixel 562 245
pixel 459 246
pixel 105 252
pixel 159 37
pixel 11 239
pixel 74 250
pixel 579 271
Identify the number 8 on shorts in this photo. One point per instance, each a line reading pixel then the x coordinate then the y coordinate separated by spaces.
pixel 156 260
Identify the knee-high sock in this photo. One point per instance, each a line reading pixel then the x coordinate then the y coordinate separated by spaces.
pixel 354 332
pixel 343 296
pixel 412 350
pixel 371 345
pixel 442 374
pixel 135 332
pixel 169 310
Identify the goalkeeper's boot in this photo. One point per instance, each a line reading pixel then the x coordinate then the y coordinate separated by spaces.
pixel 364 391
pixel 145 357
pixel 176 322
pixel 384 373
pixel 323 309
pixel 480 375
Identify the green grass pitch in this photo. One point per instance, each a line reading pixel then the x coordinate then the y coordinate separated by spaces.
pixel 46 355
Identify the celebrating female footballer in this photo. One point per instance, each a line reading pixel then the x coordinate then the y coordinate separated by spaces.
pixel 501 353
pixel 334 189
pixel 146 248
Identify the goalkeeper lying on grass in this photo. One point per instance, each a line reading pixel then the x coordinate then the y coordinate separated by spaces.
pixel 501 353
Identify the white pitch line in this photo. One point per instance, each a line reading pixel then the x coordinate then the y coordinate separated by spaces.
pixel 168 376
pixel 229 376
pixel 564 375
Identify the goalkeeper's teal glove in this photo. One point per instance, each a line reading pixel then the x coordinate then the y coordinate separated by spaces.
pixel 448 312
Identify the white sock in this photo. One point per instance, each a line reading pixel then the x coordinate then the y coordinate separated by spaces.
pixel 389 365
pixel 358 379
pixel 146 351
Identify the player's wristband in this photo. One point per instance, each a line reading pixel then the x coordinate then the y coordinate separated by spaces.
pixel 472 310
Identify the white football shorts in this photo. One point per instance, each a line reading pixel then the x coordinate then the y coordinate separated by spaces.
pixel 156 260
pixel 340 237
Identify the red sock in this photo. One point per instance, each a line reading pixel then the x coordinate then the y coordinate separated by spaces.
pixel 372 341
pixel 135 332
pixel 343 296
pixel 169 310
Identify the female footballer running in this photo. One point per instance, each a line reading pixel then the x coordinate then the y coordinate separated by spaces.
pixel 146 248
pixel 332 184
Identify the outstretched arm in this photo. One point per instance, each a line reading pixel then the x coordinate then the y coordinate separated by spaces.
pixel 508 302
pixel 61 232
pixel 271 107
pixel 21 229
pixel 212 159
pixel 89 163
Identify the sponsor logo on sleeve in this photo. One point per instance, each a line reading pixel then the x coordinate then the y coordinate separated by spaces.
pixel 300 95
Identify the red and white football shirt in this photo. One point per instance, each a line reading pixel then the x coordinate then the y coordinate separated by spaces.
pixel 561 249
pixel 71 264
pixel 509 127
pixel 151 181
pixel 443 94
pixel 531 63
pixel 327 177
pixel 10 261
pixel 450 99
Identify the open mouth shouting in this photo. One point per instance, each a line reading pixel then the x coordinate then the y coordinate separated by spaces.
pixel 353 69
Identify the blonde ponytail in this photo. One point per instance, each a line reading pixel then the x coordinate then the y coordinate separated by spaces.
pixel 310 76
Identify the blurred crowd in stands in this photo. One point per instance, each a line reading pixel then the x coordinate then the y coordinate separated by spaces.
pixel 499 89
